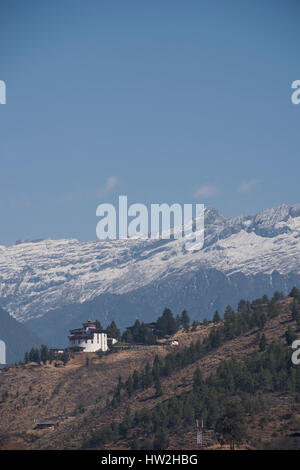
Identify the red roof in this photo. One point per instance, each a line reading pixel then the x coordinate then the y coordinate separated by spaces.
pixel 83 335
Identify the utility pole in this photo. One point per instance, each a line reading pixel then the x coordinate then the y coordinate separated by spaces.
pixel 199 426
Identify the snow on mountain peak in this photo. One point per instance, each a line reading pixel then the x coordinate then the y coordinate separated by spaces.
pixel 44 275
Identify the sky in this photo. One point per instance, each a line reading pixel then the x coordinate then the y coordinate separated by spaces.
pixel 163 101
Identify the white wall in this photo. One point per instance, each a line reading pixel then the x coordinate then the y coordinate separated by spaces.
pixel 99 342
pixel 2 352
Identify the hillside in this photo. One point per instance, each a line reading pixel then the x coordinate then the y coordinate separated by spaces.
pixel 18 338
pixel 52 284
pixel 76 396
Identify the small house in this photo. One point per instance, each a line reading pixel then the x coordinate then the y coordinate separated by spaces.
pixel 50 426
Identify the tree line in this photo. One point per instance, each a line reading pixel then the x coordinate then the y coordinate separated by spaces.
pixel 223 400
pixel 268 370
pixel 234 324
pixel 249 315
pixel 43 354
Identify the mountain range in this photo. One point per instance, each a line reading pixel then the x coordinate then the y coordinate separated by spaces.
pixel 53 285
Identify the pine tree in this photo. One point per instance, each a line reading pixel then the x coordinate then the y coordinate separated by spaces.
pixel 158 387
pixel 298 320
pixel 185 320
pixel 65 357
pixel 135 445
pixel 113 331
pixel 31 355
pixel 157 366
pixel 216 317
pixel 178 321
pixel 230 427
pixel 44 353
pixel 166 324
pixel 295 293
pixel 242 306
pixel 290 336
pixel 262 342
pixel 117 391
pixel 147 376
pixel 229 312
pixel 277 296
pixel 135 380
pixel 129 386
pixel 98 325
pixel 34 355
pixel 294 309
pixel 197 379
pixel 161 440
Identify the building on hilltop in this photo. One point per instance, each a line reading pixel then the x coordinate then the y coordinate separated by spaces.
pixel 56 351
pixel 89 338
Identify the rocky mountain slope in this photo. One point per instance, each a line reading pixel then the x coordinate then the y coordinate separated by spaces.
pixel 53 284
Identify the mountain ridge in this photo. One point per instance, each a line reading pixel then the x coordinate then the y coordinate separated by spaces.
pixel 45 278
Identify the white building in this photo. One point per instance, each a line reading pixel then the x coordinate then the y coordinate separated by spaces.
pixel 88 338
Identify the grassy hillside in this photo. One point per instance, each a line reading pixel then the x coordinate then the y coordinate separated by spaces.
pixel 85 396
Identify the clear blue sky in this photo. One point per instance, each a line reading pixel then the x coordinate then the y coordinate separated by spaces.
pixel 162 100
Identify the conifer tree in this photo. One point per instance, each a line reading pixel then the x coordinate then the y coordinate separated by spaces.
pixel 185 320
pixel 197 379
pixel 262 342
pixel 44 353
pixel 295 293
pixel 113 331
pixel 166 324
pixel 290 336
pixel 216 317
pixel 230 427
pixel 158 387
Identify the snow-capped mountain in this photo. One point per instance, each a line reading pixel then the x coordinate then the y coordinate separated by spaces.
pixel 40 278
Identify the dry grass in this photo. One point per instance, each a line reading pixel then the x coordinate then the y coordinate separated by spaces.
pixel 49 393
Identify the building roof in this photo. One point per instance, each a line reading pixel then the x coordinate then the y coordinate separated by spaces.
pixel 76 330
pixel 76 347
pixel 81 336
pixel 150 325
pixel 45 425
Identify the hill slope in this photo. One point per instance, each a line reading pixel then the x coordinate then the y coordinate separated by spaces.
pixel 75 397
